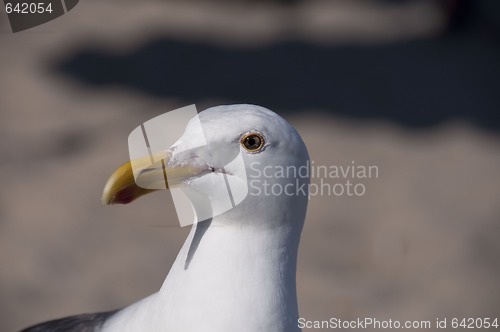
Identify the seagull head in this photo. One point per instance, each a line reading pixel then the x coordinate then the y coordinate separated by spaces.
pixel 244 172
pixel 231 161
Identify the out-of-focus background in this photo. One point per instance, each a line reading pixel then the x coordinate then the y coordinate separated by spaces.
pixel 412 87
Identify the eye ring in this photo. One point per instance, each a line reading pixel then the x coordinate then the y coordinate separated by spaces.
pixel 253 141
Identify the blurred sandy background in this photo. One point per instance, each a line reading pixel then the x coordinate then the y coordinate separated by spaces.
pixel 409 86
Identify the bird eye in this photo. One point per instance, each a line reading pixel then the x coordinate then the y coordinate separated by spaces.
pixel 252 142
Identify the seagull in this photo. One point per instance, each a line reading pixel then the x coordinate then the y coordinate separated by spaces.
pixel 237 269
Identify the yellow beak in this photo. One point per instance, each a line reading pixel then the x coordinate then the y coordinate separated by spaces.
pixel 121 187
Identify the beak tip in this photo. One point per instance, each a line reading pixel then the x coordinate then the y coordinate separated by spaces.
pixel 121 196
pixel 106 201
pixel 120 187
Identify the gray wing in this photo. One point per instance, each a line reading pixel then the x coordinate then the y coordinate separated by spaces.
pixel 78 323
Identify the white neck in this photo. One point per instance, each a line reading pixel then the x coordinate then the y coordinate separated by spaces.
pixel 234 279
pixel 225 278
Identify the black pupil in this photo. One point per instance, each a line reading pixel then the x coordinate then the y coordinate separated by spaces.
pixel 253 142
